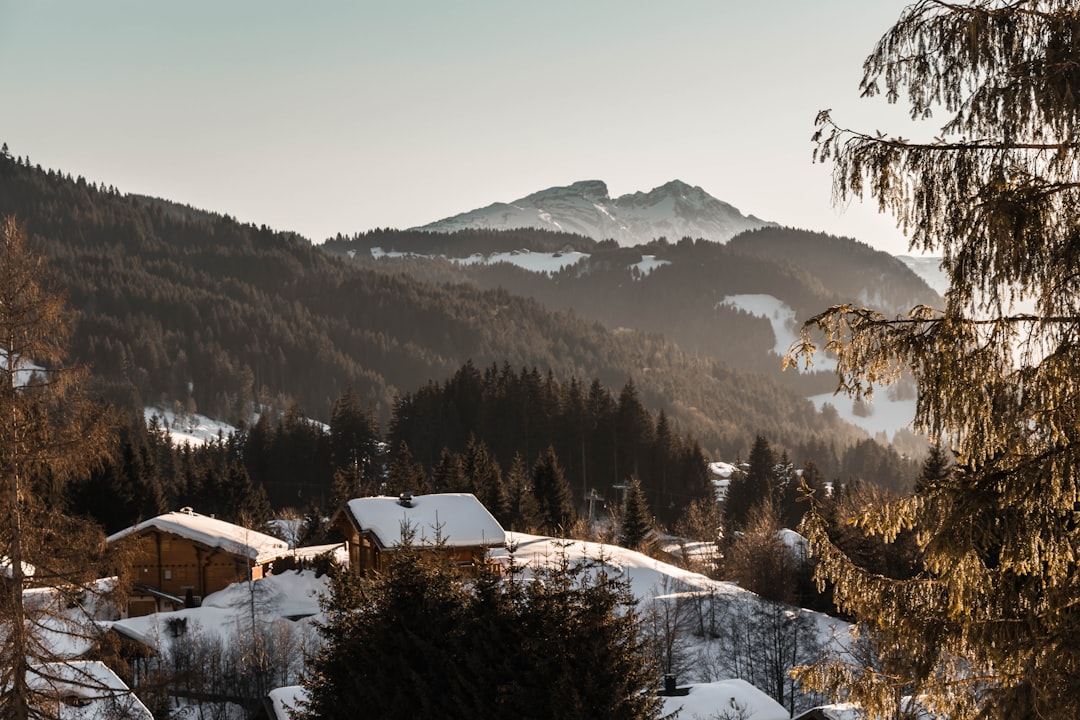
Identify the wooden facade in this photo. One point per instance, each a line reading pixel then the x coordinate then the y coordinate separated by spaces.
pixel 367 553
pixel 179 558
pixel 176 565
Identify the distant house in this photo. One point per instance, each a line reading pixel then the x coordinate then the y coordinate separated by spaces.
pixel 724 699
pixel 180 557
pixel 458 522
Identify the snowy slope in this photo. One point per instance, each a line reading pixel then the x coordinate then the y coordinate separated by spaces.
pixel 929 269
pixel 674 210
pixel 193 429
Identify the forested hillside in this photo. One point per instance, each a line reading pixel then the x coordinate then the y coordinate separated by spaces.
pixel 682 289
pixel 176 305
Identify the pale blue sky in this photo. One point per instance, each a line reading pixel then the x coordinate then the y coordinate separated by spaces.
pixel 340 117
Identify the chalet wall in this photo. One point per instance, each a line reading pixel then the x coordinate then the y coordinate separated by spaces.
pixel 174 565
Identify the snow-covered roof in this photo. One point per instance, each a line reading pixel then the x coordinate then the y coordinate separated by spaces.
pixel 212 532
pixel 456 519
pixel 287 698
pixel 738 698
pixel 102 694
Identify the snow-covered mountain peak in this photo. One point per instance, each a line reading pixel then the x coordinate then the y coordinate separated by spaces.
pixel 673 210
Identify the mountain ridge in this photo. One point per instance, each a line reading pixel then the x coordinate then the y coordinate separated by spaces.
pixel 673 210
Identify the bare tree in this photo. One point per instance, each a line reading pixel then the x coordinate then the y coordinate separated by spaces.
pixel 667 620
pixel 49 433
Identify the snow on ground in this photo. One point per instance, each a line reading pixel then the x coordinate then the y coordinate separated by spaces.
pixel 720 473
pixel 101 694
pixel 24 371
pixel 193 429
pixel 776 311
pixel 784 324
pixel 648 577
pixel 648 264
pixel 225 614
pixel 881 415
pixel 286 699
pixel 538 262
pixel 738 698
pixel 929 269
pixel 785 327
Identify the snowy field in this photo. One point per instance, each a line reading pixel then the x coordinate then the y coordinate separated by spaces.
pixel 547 263
pixel 193 429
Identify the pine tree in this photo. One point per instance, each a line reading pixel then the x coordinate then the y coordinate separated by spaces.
pixel 936 469
pixel 989 627
pixel 524 508
pixel 49 433
pixel 449 475
pixel 393 645
pixel 637 521
pixel 421 641
pixel 405 475
pixel 552 492
pixel 485 477
pixel 751 488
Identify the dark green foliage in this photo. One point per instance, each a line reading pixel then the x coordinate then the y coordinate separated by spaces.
pixel 636 528
pixel 599 442
pixel 449 475
pixel 750 489
pixel 525 515
pixel 682 300
pixel 405 475
pixel 228 319
pixel 354 437
pixel 128 488
pixel 396 647
pixel 420 641
pixel 937 469
pixel 552 493
pixel 485 478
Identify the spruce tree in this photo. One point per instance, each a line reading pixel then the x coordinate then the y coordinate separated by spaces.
pixel 420 640
pixel 405 475
pixel 751 488
pixel 989 626
pixel 552 492
pixel 524 508
pixel 637 522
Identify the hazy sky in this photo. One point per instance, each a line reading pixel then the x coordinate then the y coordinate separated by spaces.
pixel 344 116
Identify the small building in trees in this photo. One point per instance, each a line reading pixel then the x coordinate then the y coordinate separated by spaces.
pixel 180 557
pixel 458 523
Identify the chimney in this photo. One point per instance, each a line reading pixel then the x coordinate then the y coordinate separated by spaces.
pixel 405 499
pixel 671 688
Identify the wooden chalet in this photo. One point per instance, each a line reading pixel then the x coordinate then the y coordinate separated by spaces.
pixel 457 522
pixel 180 557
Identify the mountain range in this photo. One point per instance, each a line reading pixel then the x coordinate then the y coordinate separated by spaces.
pixel 674 210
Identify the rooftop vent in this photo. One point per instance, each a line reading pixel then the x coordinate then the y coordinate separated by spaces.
pixel 405 499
